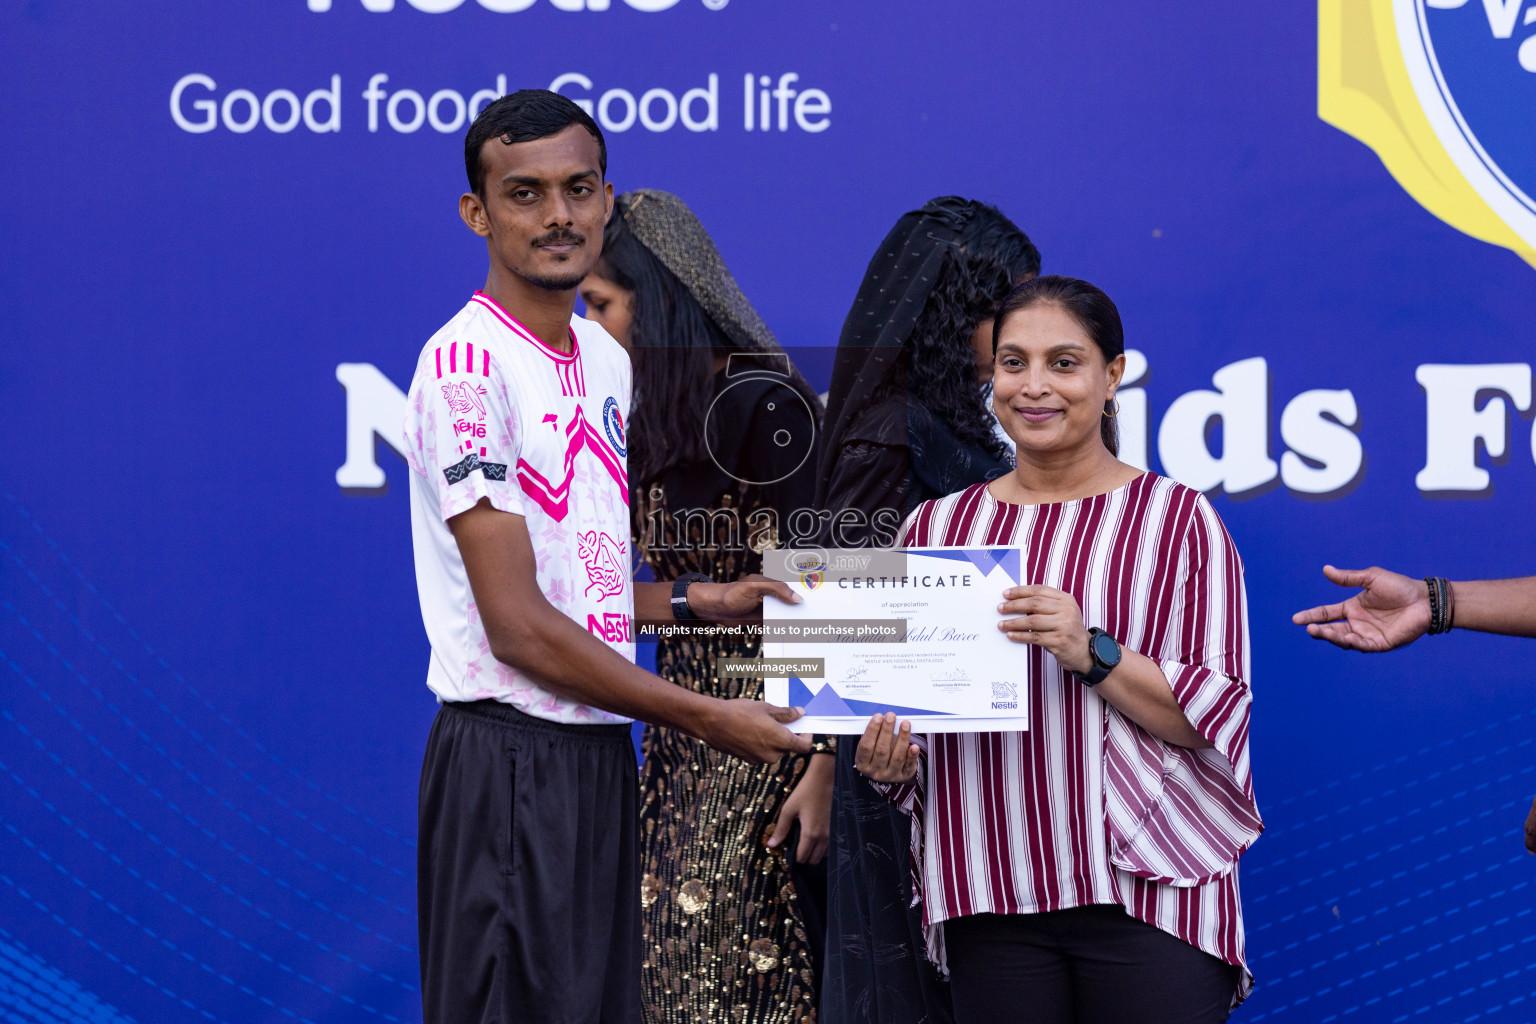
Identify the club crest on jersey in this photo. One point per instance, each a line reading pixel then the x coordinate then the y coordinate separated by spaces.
pixel 613 426
pixel 1437 88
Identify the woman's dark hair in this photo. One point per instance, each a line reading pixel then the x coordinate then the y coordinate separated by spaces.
pixel 525 116
pixel 989 258
pixel 1094 312
pixel 673 344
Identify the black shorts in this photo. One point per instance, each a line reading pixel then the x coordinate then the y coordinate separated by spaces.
pixel 528 870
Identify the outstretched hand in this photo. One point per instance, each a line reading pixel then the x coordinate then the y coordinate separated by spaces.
pixel 737 602
pixel 754 731
pixel 1390 611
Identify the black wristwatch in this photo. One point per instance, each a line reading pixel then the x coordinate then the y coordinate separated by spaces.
pixel 680 610
pixel 1105 651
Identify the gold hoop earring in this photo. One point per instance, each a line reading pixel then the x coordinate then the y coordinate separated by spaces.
pixel 1114 408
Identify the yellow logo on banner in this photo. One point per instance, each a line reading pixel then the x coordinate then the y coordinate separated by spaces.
pixel 1441 90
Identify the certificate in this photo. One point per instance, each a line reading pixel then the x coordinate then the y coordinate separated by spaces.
pixel 913 632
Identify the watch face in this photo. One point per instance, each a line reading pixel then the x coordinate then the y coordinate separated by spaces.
pixel 1106 650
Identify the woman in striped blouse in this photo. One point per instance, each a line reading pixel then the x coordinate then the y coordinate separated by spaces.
pixel 1086 870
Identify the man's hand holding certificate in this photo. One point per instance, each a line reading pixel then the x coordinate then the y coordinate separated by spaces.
pixel 909 632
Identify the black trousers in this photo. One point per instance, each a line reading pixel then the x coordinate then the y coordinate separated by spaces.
pixel 528 870
pixel 1086 965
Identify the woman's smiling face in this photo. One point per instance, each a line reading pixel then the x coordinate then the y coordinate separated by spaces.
pixel 1050 380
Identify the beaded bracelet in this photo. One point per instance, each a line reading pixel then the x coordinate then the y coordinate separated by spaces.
pixel 1439 604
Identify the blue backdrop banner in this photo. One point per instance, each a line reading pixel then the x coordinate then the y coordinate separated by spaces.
pixel 229 229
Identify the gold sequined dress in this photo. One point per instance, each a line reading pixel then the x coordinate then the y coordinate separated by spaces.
pixel 724 928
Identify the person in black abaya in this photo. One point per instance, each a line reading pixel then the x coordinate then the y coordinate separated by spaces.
pixel 721 450
pixel 908 419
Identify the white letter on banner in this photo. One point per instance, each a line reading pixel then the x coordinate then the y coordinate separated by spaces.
pixel 374 407
pixel 1454 423
pixel 813 102
pixel 651 6
pixel 252 103
pixel 711 98
pixel 208 107
pixel 455 103
pixel 489 96
pixel 1526 55
pixel 630 110
pixel 291 100
pixel 573 78
pixel 1315 426
pixel 669 103
pixel 373 94
pixel 783 94
pixel 1501 16
pixel 333 97
pixel 418 105
pixel 1241 402
pixel 1132 420
pixel 434 6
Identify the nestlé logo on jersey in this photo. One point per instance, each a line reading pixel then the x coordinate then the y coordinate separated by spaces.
pixel 613 426
pixel 1440 90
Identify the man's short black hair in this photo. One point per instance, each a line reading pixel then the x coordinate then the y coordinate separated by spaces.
pixel 524 116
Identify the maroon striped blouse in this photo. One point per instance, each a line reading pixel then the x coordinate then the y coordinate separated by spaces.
pixel 1087 807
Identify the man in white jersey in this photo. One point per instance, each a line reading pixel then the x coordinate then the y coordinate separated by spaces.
pixel 528 881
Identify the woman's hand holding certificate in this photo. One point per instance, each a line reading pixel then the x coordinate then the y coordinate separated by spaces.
pixel 1048 618
pixel 886 753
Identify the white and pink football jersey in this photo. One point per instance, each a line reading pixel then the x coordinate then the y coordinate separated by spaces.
pixel 495 413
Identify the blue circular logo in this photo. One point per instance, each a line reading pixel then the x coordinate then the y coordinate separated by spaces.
pixel 613 426
pixel 1480 58
pixel 1437 88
